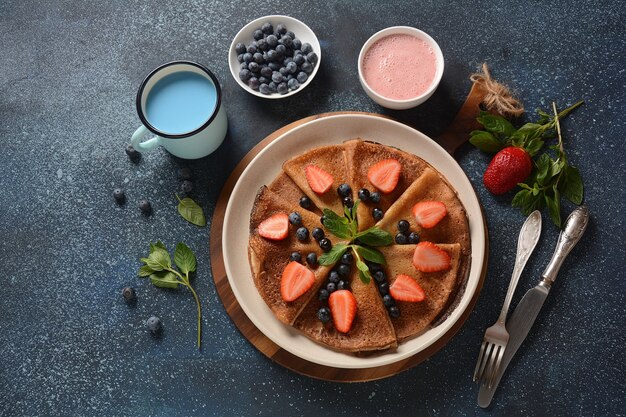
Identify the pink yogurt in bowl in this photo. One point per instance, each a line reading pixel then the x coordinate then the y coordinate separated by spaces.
pixel 400 67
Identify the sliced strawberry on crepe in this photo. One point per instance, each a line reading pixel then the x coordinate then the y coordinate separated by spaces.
pixel 319 180
pixel 429 213
pixel 343 309
pixel 275 227
pixel 428 257
pixel 385 175
pixel 405 288
pixel 296 280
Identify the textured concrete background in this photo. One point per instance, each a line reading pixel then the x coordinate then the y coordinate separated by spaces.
pixel 69 345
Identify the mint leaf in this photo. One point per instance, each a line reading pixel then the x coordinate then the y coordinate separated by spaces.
pixel 485 141
pixel 331 257
pixel 572 186
pixel 553 201
pixel 184 258
pixel 160 257
pixel 157 245
pixel 370 254
pixel 364 271
pixel 145 271
pixel 329 214
pixel 496 124
pixel 191 211
pixel 543 167
pixel 375 237
pixel 528 200
pixel 338 228
pixel 164 279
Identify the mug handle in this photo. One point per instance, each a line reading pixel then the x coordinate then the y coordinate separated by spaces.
pixel 148 145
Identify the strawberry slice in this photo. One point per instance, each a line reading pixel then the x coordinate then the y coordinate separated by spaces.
pixel 319 180
pixel 275 227
pixel 296 280
pixel 343 308
pixel 385 175
pixel 428 257
pixel 428 213
pixel 405 288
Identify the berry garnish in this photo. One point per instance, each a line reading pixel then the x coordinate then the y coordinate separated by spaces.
pixel 343 285
pixel 305 202
pixel 347 201
pixel 403 226
pixel 343 309
pixel 319 180
pixel 405 288
pixel 295 256
pixel 509 167
pixel 145 207
pixel 414 238
pixel 377 214
pixel 375 197
pixel 129 294
pixel 331 287
pixel 343 270
pixel 323 294
pixel 154 325
pixel 317 233
pixel 394 312
pixel 333 277
pixel 185 173
pixel 132 153
pixel 295 218
pixel 311 259
pixel 322 219
pixel 275 227
pixel 428 257
pixel 302 234
pixel 325 244
pixel 347 258
pixel 344 190
pixel 388 300
pixel 186 186
pixel 428 213
pixel 364 194
pixel 385 175
pixel 119 196
pixel 323 314
pixel 379 276
pixel 383 288
pixel 295 281
pixel 401 239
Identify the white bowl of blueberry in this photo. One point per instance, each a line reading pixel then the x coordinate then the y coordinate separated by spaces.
pixel 274 56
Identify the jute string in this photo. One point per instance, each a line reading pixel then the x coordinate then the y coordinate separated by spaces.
pixel 498 97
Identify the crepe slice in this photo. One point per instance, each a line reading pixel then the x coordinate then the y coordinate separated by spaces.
pixel 362 155
pixel 269 258
pixel 415 317
pixel 284 186
pixel 453 228
pixel 371 329
pixel 331 160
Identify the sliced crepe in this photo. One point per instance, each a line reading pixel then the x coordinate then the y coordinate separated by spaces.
pixel 329 158
pixel 371 328
pixel 453 228
pixel 285 187
pixel 438 286
pixel 268 258
pixel 360 156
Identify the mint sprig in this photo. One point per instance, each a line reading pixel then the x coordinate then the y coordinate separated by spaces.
pixel 191 211
pixel 158 266
pixel 346 227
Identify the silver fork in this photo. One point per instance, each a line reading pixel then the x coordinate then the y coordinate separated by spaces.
pixel 496 336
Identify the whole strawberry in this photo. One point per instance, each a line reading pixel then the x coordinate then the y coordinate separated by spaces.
pixel 508 167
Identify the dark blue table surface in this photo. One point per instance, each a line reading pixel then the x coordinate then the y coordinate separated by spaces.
pixel 69 345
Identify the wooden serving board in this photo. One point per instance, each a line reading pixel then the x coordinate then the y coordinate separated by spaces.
pixel 263 343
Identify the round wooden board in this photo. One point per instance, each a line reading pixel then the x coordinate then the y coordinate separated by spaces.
pixel 263 343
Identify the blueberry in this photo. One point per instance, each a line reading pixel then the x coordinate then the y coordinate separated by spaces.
pixel 119 196
pixel 306 67
pixel 414 238
pixel 254 83
pixel 333 276
pixel 129 294
pixel 311 259
pixel 377 214
pixel 403 226
pixel 274 66
pixel 347 258
pixel 280 28
pixel 185 173
pixel 295 256
pixel 305 202
pixel 317 233
pixel 297 44
pixel 132 153
pixel 364 194
pixel 323 294
pixel 401 239
pixel 343 270
pixel 347 201
pixel 266 72
pixel 379 276
pixel 293 84
pixel 298 59
pixel 323 218
pixel 251 50
pixel 154 325
pixel 290 34
pixel 240 58
pixel 289 78
pixel 277 77
pixel 394 312
pixel 343 285
pixel 302 77
pixel 375 267
pixel 284 71
pixel 240 48
pixel 265 89
pixel 292 67
pixel 261 45
pixel 295 218
pixel 302 234
pixel 263 80
pixel 286 40
pixel 253 66
pixel 247 57
pixel 383 288
pixel 258 58
pixel 331 287
pixel 311 57
pixel 145 207
pixel 244 75
pixel 272 86
pixel 388 300
pixel 375 197
pixel 267 28
pixel 344 190
pixel 272 55
pixel 272 41
pixel 306 48
pixel 281 49
pixel 323 314
pixel 287 60
pixel 186 186
pixel 257 34
pixel 325 244
pixel 282 88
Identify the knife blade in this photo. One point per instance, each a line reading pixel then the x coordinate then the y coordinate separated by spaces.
pixel 528 308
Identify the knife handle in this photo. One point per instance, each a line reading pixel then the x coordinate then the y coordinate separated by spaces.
pixel 573 230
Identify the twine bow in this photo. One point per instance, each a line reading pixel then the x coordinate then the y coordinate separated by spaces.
pixel 498 98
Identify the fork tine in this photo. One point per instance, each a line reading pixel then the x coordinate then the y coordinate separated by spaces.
pixel 486 360
pixel 481 356
pixel 496 366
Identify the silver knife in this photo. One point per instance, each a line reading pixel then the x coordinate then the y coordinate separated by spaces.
pixel 528 308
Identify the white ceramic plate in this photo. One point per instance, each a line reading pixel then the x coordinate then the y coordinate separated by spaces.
pixel 264 168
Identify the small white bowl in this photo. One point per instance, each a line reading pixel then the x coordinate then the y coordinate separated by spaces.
pixel 412 102
pixel 302 32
